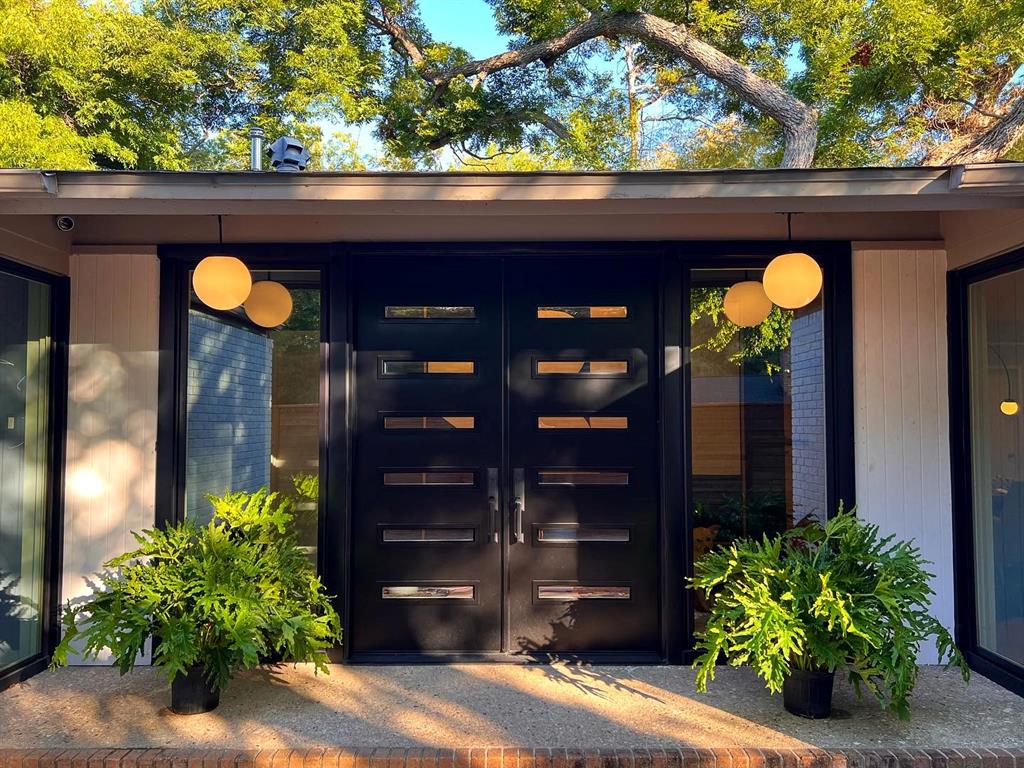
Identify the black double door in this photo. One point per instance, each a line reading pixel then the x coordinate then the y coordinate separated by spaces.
pixel 505 478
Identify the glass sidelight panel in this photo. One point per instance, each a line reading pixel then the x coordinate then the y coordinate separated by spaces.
pixel 996 375
pixel 25 360
pixel 254 403
pixel 571 534
pixel 395 535
pixel 757 418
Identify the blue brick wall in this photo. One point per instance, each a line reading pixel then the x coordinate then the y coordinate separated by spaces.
pixel 807 381
pixel 229 380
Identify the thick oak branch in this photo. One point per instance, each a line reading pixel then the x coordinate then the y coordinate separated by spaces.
pixel 799 121
pixel 994 142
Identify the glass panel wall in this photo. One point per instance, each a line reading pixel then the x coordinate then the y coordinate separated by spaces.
pixel 254 403
pixel 757 418
pixel 996 343
pixel 25 350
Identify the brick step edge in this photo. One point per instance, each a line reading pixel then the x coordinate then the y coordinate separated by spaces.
pixel 505 757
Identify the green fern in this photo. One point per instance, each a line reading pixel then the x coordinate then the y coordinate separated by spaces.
pixel 837 596
pixel 226 595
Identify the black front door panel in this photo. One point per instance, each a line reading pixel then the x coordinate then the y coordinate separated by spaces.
pixel 505 456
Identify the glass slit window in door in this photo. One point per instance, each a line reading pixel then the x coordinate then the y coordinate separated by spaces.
pixel 428 367
pixel 419 312
pixel 427 592
pixel 582 477
pixel 438 423
pixel 428 477
pixel 574 592
pixel 602 312
pixel 397 535
pixel 583 367
pixel 571 534
pixel 582 422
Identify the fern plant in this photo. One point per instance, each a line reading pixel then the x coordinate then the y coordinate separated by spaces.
pixel 224 596
pixel 830 597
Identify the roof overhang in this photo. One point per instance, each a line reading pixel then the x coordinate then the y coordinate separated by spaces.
pixel 543 193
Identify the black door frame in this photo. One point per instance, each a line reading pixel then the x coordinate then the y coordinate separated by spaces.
pixel 671 378
pixel 991 665
pixel 60 313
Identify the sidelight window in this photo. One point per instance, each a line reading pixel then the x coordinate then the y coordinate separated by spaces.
pixel 427 477
pixel 396 535
pixel 582 477
pixel 433 423
pixel 571 534
pixel 428 592
pixel 574 592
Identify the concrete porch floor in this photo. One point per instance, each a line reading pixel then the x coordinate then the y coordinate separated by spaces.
pixel 492 705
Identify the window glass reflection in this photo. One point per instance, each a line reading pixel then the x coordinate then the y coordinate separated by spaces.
pixel 757 418
pixel 996 343
pixel 254 410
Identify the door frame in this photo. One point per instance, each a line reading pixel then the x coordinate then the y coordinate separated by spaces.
pixel 676 258
pixel 959 281
pixel 60 319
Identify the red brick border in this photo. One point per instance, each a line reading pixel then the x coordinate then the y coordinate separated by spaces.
pixel 499 757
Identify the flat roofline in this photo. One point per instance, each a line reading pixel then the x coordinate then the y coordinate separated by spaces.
pixel 793 189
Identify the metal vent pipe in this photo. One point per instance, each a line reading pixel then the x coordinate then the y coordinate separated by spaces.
pixel 256 148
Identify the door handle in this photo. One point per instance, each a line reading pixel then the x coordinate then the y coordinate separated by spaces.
pixel 518 505
pixel 492 502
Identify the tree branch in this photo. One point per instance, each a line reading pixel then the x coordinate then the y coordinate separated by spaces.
pixel 994 142
pixel 799 121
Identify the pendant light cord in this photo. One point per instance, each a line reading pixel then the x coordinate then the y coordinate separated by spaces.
pixel 220 229
pixel 1009 389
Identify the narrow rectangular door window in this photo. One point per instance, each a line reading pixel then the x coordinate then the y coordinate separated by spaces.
pixel 25 362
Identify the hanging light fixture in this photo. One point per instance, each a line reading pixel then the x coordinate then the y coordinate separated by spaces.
pixel 746 304
pixel 792 280
pixel 221 282
pixel 269 304
pixel 1009 406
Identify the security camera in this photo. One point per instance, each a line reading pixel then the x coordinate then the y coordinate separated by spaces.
pixel 65 223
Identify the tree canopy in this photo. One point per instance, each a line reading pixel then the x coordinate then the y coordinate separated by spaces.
pixel 604 84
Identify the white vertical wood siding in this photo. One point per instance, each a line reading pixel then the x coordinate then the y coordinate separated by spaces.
pixel 901 405
pixel 112 408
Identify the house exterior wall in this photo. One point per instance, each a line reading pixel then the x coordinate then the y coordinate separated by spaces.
pixel 112 408
pixel 901 414
pixel 901 429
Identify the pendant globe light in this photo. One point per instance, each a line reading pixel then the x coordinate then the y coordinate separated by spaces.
pixel 269 304
pixel 221 282
pixel 792 280
pixel 746 304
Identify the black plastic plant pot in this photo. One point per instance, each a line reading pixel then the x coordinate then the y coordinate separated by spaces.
pixel 808 693
pixel 191 694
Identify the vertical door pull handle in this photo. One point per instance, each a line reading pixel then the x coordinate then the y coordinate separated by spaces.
pixel 518 504
pixel 492 502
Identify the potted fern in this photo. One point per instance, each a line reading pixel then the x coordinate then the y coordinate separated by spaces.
pixel 800 605
pixel 216 599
